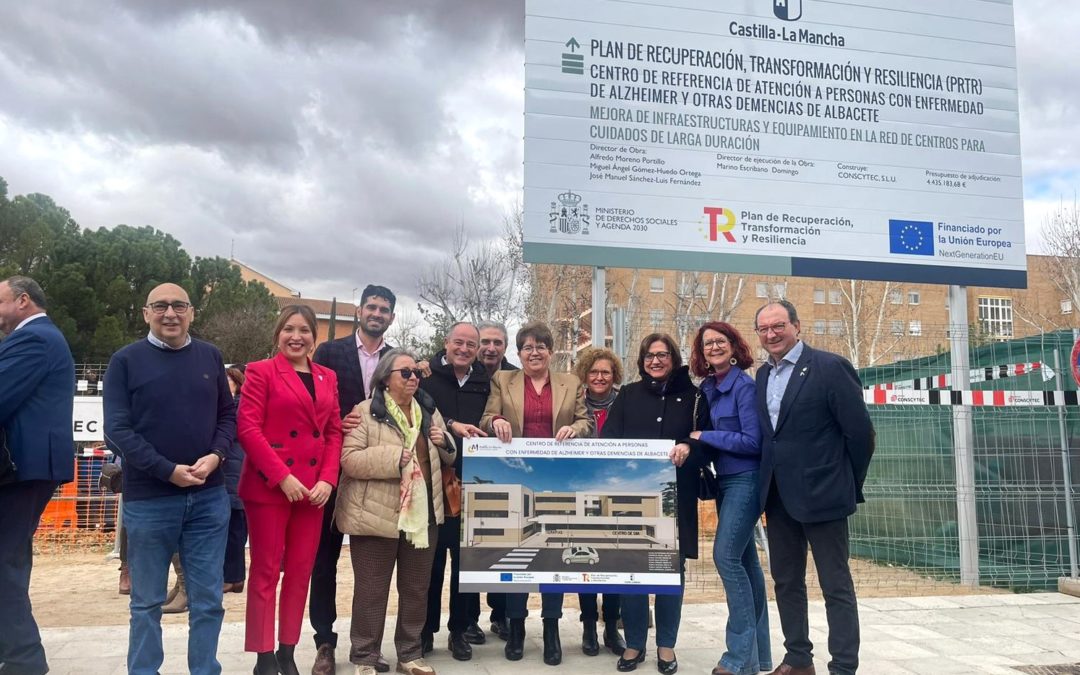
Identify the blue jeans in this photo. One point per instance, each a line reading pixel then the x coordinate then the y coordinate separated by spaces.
pixel 196 524
pixel 635 616
pixel 736 558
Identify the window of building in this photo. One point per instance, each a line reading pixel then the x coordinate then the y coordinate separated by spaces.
pixel 897 327
pixel 492 514
pixel 780 290
pixel 543 499
pixel 914 327
pixel 491 495
pixel 896 297
pixel 913 298
pixel 819 296
pixel 762 290
pixel 656 318
pixel 834 297
pixel 1066 306
pixel 996 316
pixel 626 500
pixel 656 284
pixel 819 326
pixel 836 327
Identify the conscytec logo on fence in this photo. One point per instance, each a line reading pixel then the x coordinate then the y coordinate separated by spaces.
pixel 721 221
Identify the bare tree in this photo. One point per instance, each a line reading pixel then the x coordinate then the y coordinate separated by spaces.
pixel 1061 240
pixel 864 311
pixel 242 334
pixel 408 332
pixel 478 281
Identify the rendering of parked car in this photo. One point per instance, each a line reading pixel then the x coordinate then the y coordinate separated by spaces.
pixel 580 554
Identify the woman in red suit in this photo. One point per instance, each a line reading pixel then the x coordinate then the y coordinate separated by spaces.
pixel 289 427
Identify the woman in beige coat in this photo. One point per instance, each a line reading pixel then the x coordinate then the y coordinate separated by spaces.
pixel 390 502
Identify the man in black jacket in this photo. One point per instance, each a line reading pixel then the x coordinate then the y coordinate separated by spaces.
pixel 814 458
pixel 460 386
pixel 353 358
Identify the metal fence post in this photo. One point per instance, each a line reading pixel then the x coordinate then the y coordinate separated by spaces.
pixel 963 440
pixel 1066 475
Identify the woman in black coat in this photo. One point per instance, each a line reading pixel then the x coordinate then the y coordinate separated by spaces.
pixel 661 405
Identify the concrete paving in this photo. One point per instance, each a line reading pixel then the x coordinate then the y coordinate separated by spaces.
pixel 986 634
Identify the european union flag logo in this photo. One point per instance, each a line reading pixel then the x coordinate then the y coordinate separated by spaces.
pixel 911 237
pixel 506 576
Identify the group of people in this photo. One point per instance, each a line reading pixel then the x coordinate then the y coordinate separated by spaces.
pixel 356 437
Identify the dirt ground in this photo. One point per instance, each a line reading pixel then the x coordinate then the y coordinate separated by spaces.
pixel 78 588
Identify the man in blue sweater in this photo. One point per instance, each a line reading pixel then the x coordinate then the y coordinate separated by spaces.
pixel 169 415
pixel 37 453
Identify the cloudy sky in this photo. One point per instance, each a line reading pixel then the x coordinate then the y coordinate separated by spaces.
pixel 340 142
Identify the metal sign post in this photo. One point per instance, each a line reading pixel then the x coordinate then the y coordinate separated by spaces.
pixel 963 440
pixel 599 306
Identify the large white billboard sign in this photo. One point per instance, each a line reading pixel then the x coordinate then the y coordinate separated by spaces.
pixel 870 139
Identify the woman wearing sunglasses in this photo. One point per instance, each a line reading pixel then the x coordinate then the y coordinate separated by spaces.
pixel 535 403
pixel 390 502
pixel 661 405
pixel 288 425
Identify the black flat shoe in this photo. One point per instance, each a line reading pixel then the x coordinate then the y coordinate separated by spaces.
pixel 625 665
pixel 265 664
pixel 286 665
pixel 667 667
pixel 501 629
pixel 475 635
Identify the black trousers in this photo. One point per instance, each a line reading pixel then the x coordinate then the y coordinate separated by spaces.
pixel 497 603
pixel 610 607
pixel 464 607
pixel 322 604
pixel 788 540
pixel 21 506
pixel 235 560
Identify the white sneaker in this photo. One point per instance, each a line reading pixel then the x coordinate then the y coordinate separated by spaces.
pixel 417 667
pixel 365 670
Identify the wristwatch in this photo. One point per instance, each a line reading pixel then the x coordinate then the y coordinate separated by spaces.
pixel 221 457
pixel 450 423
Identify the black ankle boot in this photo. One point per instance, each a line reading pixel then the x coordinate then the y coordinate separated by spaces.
pixel 552 646
pixel 613 640
pixel 515 641
pixel 589 644
pixel 284 657
pixel 265 664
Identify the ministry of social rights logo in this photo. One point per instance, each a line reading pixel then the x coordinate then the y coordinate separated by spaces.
pixel 788 10
pixel 721 223
pixel 568 215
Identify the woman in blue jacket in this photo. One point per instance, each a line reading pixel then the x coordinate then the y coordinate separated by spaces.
pixel 720 355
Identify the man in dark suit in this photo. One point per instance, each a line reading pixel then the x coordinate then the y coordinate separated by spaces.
pixel 37 453
pixel 815 454
pixel 353 358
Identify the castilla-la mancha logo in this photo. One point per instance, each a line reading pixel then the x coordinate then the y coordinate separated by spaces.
pixel 568 215
pixel 788 10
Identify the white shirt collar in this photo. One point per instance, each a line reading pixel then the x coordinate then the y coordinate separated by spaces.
pixel 362 348
pixel 28 320
pixel 791 357
pixel 161 344
pixel 460 380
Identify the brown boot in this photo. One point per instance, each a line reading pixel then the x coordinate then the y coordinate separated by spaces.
pixel 124 587
pixel 177 600
pixel 324 661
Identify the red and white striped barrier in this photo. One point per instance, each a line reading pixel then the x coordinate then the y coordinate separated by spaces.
pixel 972 398
pixel 988 374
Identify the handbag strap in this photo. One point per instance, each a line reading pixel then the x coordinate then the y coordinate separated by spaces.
pixel 693 422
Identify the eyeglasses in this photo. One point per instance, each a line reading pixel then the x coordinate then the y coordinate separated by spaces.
pixel 657 356
pixel 775 328
pixel 407 373
pixel 601 373
pixel 180 307
pixel 716 343
pixel 539 349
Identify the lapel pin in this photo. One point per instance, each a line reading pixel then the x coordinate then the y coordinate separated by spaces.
pixel 803 371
